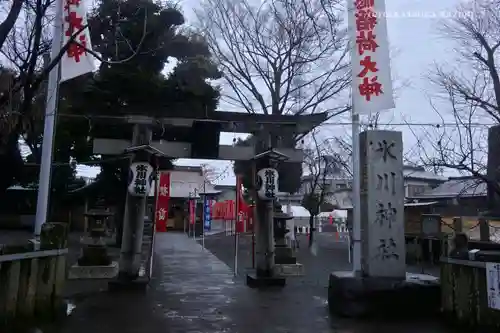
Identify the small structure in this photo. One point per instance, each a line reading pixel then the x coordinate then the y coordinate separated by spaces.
pixel 95 262
pixel 285 262
pixel 32 280
pixel 470 284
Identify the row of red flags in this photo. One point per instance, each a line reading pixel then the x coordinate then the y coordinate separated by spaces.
pixel 222 210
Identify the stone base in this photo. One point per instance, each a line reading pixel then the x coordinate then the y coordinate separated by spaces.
pixel 353 296
pixel 285 260
pixel 93 272
pixel 121 284
pixel 283 270
pixel 254 281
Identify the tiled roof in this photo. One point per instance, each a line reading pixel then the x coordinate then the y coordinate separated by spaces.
pixel 457 187
pixel 420 173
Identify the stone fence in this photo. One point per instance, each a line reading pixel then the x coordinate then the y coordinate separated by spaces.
pixel 32 276
pixel 464 294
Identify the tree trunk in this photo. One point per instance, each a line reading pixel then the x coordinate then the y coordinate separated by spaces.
pixel 8 24
pixel 311 230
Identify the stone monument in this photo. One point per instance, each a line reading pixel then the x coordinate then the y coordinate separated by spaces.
pixel 493 172
pixel 382 205
pixel 382 287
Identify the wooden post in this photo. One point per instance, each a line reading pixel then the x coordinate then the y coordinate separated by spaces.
pixel 27 287
pixel 457 224
pixel 12 287
pixel 60 276
pixel 45 284
pixel 484 229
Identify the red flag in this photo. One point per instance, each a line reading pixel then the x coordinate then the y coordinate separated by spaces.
pixel 162 200
pixel 240 207
pixel 192 211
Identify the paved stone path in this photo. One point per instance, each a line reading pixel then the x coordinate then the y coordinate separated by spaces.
pixel 195 292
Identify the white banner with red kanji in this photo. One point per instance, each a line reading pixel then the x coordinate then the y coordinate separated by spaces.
pixel 76 60
pixel 371 71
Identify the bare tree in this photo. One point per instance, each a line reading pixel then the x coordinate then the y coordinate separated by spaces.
pixel 280 56
pixel 469 93
pixel 13 10
pixel 341 145
pixel 321 166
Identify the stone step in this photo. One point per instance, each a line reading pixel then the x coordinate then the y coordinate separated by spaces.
pixel 289 270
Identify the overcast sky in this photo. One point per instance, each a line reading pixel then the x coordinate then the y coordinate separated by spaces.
pixel 416 45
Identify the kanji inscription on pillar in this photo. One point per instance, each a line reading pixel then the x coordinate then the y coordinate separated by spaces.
pixel 382 204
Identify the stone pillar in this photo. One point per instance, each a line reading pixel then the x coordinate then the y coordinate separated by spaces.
pixel 382 204
pixel 484 229
pixel 457 224
pixel 493 170
pixel 135 209
pixel 264 239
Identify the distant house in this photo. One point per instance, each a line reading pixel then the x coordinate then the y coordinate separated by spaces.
pixel 459 196
pixel 416 181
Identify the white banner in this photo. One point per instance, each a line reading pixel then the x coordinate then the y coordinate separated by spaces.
pixel 76 61
pixel 371 72
pixel 493 284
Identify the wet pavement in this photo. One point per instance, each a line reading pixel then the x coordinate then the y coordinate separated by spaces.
pixel 193 291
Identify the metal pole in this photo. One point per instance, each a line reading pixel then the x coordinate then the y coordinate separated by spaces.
pixel 49 125
pixel 253 245
pixel 195 202
pixel 236 235
pixel 356 223
pixel 236 245
pixel 203 220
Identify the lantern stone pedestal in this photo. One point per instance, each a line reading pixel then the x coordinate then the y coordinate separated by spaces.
pixel 285 262
pixel 283 254
pixel 94 262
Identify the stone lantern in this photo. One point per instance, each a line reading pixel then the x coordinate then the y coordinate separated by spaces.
pixel 94 262
pixel 283 253
pixel 94 252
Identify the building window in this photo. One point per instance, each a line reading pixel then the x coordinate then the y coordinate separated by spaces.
pixel 340 186
pixel 414 190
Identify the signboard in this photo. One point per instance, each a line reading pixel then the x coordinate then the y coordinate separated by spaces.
pixel 207 214
pixel 162 201
pixel 493 284
pixel 371 74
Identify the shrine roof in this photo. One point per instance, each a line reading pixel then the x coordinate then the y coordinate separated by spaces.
pixel 238 122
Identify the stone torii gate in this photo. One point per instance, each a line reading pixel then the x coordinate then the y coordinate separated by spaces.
pixel 198 138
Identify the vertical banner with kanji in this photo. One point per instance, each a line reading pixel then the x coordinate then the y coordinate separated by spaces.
pixel 76 60
pixel 162 200
pixel 192 211
pixel 240 218
pixel 371 71
pixel 207 213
